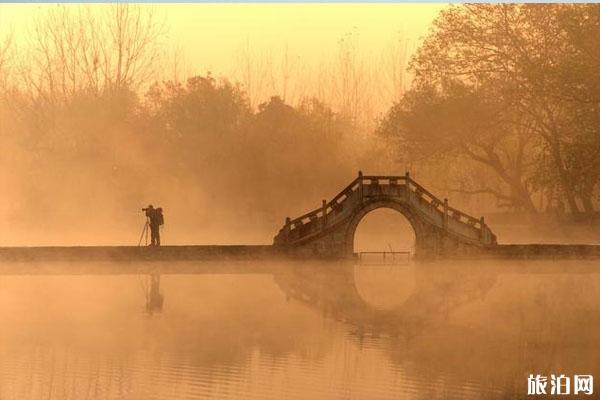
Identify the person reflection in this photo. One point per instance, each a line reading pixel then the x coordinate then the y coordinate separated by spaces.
pixel 154 299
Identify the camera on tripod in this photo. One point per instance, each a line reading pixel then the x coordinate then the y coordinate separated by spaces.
pixel 154 219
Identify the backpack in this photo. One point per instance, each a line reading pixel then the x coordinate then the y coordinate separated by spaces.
pixel 159 216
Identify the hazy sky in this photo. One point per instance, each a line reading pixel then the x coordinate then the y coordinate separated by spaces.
pixel 210 35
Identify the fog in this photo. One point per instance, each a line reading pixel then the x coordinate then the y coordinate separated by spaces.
pixel 94 129
pixel 96 124
pixel 232 118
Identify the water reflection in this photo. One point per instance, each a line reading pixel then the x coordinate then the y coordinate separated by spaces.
pixel 154 298
pixel 427 297
pixel 266 330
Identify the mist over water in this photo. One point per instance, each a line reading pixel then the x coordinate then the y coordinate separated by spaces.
pixel 296 330
pixel 94 126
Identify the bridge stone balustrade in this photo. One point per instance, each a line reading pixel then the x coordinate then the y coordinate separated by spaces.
pixel 439 229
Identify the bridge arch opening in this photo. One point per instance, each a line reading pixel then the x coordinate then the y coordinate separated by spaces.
pixel 382 229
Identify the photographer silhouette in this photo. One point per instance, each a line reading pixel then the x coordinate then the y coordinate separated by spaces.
pixel 154 219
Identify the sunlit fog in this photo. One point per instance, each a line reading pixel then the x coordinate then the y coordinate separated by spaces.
pixel 299 201
pixel 233 117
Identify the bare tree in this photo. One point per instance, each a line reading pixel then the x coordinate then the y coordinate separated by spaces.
pixel 253 73
pixel 351 79
pixel 284 73
pixel 6 57
pixel 131 53
pixel 393 77
pixel 90 49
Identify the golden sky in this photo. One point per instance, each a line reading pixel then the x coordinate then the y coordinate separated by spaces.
pixel 222 38
pixel 209 35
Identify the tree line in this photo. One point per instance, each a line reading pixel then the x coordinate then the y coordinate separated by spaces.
pixel 505 102
pixel 88 133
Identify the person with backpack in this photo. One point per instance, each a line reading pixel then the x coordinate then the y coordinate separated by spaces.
pixel 161 222
pixel 155 215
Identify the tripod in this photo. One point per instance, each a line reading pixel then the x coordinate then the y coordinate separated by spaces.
pixel 144 232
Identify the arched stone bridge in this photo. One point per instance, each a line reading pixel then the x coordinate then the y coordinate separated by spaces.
pixel 439 229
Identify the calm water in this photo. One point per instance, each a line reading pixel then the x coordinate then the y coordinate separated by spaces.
pixel 272 331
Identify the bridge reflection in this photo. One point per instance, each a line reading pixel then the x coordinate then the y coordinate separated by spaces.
pixel 335 292
pixel 332 287
pixel 335 289
pixel 470 322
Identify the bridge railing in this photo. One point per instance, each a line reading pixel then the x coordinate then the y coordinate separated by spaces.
pixel 327 208
pixel 330 212
pixel 440 205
